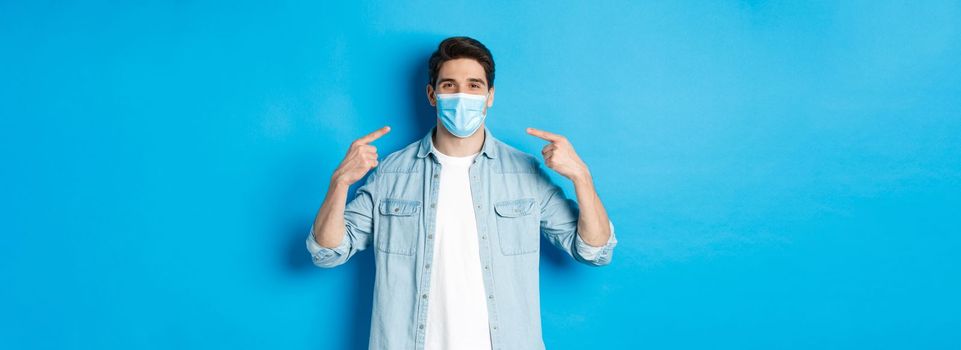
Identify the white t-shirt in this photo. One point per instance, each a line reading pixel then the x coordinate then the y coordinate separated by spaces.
pixel 456 304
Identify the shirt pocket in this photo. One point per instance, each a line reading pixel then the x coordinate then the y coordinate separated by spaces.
pixel 517 226
pixel 397 229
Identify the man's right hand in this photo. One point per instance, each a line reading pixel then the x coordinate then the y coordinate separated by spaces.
pixel 360 158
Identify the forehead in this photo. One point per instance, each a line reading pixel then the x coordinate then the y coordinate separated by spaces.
pixel 461 69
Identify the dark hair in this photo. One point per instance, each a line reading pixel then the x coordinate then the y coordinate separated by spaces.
pixel 460 47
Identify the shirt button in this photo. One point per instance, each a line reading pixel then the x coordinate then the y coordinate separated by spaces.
pixel 435 176
pixel 486 267
pixel 424 295
pixel 421 326
pixel 484 237
pixel 430 236
pixel 432 205
pixel 490 296
pixel 426 266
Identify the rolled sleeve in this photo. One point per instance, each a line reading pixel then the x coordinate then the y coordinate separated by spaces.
pixel 323 256
pixel 596 255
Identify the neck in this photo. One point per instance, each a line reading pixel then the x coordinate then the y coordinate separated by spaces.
pixel 454 146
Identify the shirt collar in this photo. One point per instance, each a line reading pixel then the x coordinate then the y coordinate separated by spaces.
pixel 426 146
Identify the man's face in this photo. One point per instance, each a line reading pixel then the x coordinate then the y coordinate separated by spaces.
pixel 461 75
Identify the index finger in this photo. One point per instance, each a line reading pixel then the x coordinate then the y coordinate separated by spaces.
pixel 547 136
pixel 374 135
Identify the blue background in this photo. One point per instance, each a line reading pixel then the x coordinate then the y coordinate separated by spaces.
pixel 780 175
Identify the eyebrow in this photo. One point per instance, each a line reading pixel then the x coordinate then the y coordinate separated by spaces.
pixel 475 80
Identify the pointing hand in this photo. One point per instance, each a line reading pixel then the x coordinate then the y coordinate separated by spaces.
pixel 559 155
pixel 360 158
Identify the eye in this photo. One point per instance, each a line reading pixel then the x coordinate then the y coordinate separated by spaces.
pixel 475 86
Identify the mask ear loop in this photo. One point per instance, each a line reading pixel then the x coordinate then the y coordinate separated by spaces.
pixel 487 98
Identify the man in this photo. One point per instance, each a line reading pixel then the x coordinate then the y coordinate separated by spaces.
pixel 456 219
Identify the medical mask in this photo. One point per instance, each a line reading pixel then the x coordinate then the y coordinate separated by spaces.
pixel 462 114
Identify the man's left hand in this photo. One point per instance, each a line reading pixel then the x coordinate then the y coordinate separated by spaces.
pixel 559 155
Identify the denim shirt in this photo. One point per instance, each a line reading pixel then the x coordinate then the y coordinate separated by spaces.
pixel 515 203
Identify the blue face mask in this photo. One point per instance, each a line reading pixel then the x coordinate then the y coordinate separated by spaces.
pixel 462 114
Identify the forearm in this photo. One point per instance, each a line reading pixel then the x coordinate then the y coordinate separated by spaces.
pixel 592 224
pixel 329 222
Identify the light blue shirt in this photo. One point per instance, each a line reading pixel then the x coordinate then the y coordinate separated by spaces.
pixel 515 203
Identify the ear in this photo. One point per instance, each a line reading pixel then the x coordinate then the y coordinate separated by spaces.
pixel 490 100
pixel 430 95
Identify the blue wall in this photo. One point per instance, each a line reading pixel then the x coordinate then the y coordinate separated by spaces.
pixel 780 175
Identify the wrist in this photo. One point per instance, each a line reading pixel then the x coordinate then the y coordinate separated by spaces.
pixel 338 181
pixel 583 177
